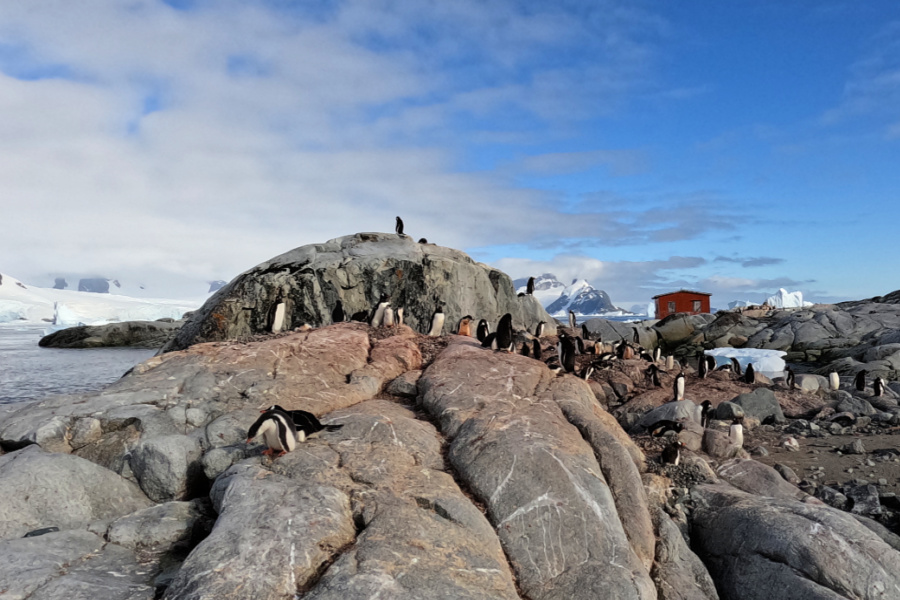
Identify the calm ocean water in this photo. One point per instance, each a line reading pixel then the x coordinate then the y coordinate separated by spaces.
pixel 28 372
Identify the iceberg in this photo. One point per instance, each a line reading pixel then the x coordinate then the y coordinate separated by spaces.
pixel 767 362
pixel 785 299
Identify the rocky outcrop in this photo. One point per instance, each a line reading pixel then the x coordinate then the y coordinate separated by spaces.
pixel 357 270
pixel 133 334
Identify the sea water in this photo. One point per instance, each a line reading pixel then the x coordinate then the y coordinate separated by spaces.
pixel 29 372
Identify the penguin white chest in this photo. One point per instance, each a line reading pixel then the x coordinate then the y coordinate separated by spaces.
pixel 437 325
pixel 737 435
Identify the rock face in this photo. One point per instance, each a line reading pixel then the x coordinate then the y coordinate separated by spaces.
pixel 357 270
pixel 134 334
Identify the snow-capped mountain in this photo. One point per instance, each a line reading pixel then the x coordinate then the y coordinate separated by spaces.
pixel 21 303
pixel 580 297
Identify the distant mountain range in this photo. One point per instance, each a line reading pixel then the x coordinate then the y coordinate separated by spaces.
pixel 580 297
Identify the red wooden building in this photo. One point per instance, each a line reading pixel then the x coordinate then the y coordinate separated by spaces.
pixel 682 301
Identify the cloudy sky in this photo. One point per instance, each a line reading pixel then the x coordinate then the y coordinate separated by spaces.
pixel 732 147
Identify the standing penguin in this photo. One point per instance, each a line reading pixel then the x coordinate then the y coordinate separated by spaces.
pixel 536 348
pixel 378 314
pixel 529 289
pixel 678 387
pixel 579 345
pixel 400 316
pixel 399 227
pixel 736 433
pixel 703 367
pixel 505 335
pixel 585 334
pixel 790 378
pixel 657 354
pixel 878 387
pixel 539 330
pixel 710 363
pixel 860 380
pixel 482 331
pixel 337 315
pixel 388 317
pixel 278 431
pixel 653 372
pixel 671 454
pixel 305 422
pixel 437 322
pixel 525 351
pixel 705 409
pixel 834 380
pixel 465 326
pixel 749 374
pixel 736 366
pixel 572 320
pixel 565 348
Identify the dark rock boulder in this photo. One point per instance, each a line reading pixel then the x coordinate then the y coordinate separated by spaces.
pixel 134 334
pixel 761 404
pixel 356 270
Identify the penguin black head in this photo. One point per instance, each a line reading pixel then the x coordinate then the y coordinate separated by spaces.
pixel 423 241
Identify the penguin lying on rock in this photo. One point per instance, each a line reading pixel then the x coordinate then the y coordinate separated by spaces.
pixel 305 422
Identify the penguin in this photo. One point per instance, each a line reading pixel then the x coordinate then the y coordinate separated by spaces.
pixel 657 354
pixel 790 378
pixel 465 326
pixel 400 316
pixel 660 428
pixel 671 454
pixel 736 366
pixel 565 348
pixel 585 334
pixel 834 380
pixel 678 387
pixel 305 422
pixel 587 371
pixel 860 380
pixel 670 362
pixel 388 317
pixel 635 336
pixel 572 320
pixel 529 288
pixel 736 433
pixel 539 330
pixel 703 367
pixel 378 313
pixel 710 363
pixel 278 431
pixel 337 315
pixel 423 241
pixel 361 316
pixel 489 341
pixel 705 409
pixel 399 226
pixel 579 345
pixel 598 348
pixel 749 374
pixel 728 367
pixel 644 355
pixel 536 349
pixel 482 331
pixel 505 335
pixel 878 387
pixel 653 372
pixel 437 322
pixel 525 350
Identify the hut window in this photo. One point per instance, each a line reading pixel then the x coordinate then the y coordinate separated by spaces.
pixel 697 306
pixel 671 307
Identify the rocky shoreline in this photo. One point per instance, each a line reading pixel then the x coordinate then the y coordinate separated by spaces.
pixel 459 472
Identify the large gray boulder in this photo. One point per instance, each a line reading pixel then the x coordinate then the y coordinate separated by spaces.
pixel 41 489
pixel 678 572
pixel 134 334
pixel 167 467
pixel 759 548
pixel 761 404
pixel 357 270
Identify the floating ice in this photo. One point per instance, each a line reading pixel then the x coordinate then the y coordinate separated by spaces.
pixel 764 361
pixel 785 299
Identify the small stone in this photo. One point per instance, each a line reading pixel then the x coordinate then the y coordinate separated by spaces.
pixel 870 463
pixel 791 444
pixel 849 470
pixel 854 448
pixel 865 500
pixel 882 481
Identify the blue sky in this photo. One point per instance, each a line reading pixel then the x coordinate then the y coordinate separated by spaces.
pixel 733 147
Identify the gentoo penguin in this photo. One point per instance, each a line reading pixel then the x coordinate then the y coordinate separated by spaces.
pixel 399 316
pixel 579 345
pixel 653 372
pixel 482 331
pixel 660 428
pixel 585 334
pixel 337 315
pixel 749 374
pixel 529 289
pixel 572 320
pixel 644 355
pixel 598 348
pixel 388 317
pixel 399 226
pixel 705 409
pixel 378 314
pixel 671 454
pixel 587 371
pixel 490 341
pixel 437 322
pixel 361 316
pixel 525 351
pixel 465 326
pixel 670 362
pixel 278 432
pixel 305 422
pixel 536 349
pixel 423 241
pixel 703 367
pixel 635 336
pixel 539 330
pixel 710 363
pixel 657 354
pixel 565 348
pixel 834 380
pixel 736 434
pixel 860 381
pixel 736 366
pixel 878 386
pixel 790 378
pixel 505 335
pixel 678 387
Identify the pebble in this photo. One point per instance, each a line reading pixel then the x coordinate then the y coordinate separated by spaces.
pixel 849 470
pixel 882 481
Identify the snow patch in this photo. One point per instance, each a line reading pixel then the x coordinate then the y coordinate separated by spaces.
pixel 768 362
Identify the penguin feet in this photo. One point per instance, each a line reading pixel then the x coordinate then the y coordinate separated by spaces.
pixel 268 452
